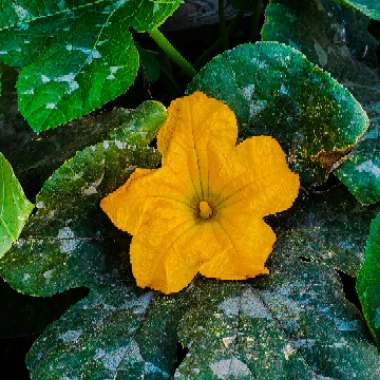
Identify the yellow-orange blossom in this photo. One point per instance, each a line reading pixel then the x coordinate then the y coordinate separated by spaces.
pixel 203 210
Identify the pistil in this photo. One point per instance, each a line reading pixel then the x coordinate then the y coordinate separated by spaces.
pixel 204 209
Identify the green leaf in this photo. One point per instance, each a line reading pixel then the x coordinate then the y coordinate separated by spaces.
pixel 14 207
pixel 293 324
pixel 35 158
pixel 337 39
pixel 368 284
pixel 370 8
pixel 64 243
pixel 77 58
pixel 274 90
pixel 23 11
pixel 118 333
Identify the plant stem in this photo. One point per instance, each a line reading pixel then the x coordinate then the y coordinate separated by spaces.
pixel 222 24
pixel 172 52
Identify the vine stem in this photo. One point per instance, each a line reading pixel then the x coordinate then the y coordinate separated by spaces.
pixel 172 52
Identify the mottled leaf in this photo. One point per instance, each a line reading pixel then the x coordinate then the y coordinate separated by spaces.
pixel 368 284
pixel 64 243
pixel 337 39
pixel 14 207
pixel 275 90
pixel 76 58
pixel 117 332
pixel 293 324
pixel 33 157
pixel 296 323
pixel 24 11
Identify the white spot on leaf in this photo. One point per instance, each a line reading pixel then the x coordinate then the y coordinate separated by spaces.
pixel 248 304
pixel 67 240
pixel 21 12
pixel 112 359
pixel 70 336
pixel 48 274
pixel 288 351
pixel 70 80
pixel 45 79
pixel 369 167
pixel 229 369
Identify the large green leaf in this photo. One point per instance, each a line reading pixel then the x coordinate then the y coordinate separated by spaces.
pixel 23 11
pixel 119 332
pixel 64 243
pixel 368 284
pixel 293 324
pixel 33 157
pixel 14 207
pixel 74 58
pixel 338 40
pixel 275 90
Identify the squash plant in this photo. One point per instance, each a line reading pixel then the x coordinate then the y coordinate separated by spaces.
pixel 312 83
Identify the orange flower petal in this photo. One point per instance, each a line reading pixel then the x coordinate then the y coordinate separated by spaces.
pixel 161 253
pixel 267 185
pixel 193 123
pixel 128 205
pixel 244 244
pixel 116 208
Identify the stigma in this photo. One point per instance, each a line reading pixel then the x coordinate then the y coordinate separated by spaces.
pixel 204 210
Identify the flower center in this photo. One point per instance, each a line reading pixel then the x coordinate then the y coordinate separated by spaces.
pixel 204 209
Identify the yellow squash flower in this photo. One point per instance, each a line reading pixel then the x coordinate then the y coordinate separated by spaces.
pixel 202 211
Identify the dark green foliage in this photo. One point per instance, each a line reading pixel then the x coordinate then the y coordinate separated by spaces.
pixel 293 324
pixel 274 90
pixel 63 245
pixel 337 39
pixel 74 56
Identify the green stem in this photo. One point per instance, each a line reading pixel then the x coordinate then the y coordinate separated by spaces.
pixel 172 52
pixel 222 24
